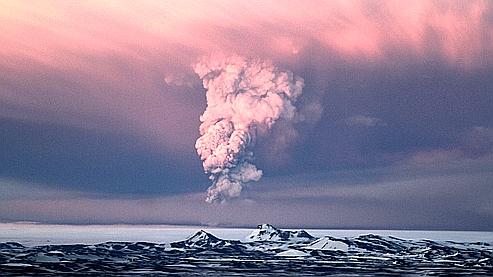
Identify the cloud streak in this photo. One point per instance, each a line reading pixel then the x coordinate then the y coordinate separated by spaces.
pixel 123 55
pixel 459 30
pixel 364 121
pixel 417 201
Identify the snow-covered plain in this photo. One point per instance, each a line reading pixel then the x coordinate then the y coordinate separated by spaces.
pixel 31 234
pixel 186 251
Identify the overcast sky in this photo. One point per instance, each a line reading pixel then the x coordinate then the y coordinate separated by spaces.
pixel 100 107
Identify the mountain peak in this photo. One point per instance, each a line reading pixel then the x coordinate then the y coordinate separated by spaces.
pixel 203 239
pixel 202 236
pixel 267 232
pixel 267 227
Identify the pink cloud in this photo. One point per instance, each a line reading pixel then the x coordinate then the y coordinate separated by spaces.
pixel 352 28
pixel 113 59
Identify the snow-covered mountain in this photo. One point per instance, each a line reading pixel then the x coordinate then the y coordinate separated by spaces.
pixel 202 239
pixel 267 251
pixel 267 232
pixel 328 243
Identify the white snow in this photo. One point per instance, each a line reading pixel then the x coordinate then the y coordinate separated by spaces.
pixel 326 243
pixel 199 236
pixel 293 253
pixel 17 265
pixel 267 232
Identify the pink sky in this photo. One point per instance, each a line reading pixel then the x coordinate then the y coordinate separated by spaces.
pixel 59 32
pixel 100 44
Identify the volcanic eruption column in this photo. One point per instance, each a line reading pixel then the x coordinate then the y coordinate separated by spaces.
pixel 245 98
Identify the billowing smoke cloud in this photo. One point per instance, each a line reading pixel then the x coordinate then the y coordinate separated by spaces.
pixel 245 98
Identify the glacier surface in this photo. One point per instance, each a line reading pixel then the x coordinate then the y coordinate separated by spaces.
pixel 266 251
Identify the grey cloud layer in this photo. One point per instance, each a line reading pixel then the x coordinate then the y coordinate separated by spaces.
pixel 373 199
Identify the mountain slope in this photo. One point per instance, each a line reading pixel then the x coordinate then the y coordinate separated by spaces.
pixel 267 232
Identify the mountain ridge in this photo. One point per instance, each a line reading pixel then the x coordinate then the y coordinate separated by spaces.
pixel 205 253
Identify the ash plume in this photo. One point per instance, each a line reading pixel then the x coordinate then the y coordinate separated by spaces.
pixel 245 98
